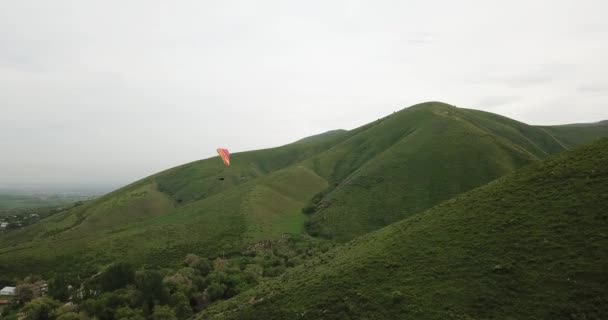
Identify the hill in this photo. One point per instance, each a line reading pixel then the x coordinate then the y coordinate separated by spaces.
pixel 182 210
pixel 417 158
pixel 351 182
pixel 580 133
pixel 531 245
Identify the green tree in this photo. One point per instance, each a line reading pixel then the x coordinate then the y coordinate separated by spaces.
pixel 163 313
pixel 40 309
pixel 126 313
pixel 181 305
pixel 215 291
pixel 104 307
pixel 201 264
pixel 69 312
pixel 72 316
pixel 117 275
pixel 152 287
pixel 59 288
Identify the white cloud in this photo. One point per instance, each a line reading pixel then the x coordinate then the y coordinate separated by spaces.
pixel 116 90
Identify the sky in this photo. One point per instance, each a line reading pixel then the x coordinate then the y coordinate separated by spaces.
pixel 108 92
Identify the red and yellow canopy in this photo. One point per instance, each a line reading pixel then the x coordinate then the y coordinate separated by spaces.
pixel 225 154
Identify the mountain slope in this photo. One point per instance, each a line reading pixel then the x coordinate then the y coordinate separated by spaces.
pixel 185 209
pixel 360 180
pixel 415 159
pixel 572 135
pixel 531 245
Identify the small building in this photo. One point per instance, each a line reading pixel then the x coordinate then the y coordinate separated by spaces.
pixel 3 225
pixel 7 291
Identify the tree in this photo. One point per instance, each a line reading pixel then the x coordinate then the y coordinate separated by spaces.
pixel 201 264
pixel 215 291
pixel 104 307
pixel 117 275
pixel 59 288
pixel 178 282
pixel 69 311
pixel 72 316
pixel 40 309
pixel 181 305
pixel 191 259
pixel 163 313
pixel 25 292
pixel 150 283
pixel 126 313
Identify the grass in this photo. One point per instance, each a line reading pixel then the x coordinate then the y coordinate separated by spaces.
pixel 531 245
pixel 369 177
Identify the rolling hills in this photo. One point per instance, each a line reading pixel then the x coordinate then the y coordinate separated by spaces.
pixel 531 245
pixel 353 182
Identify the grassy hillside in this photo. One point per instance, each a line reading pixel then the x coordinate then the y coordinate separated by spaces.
pixel 576 134
pixel 531 245
pixel 360 180
pixel 187 209
pixel 414 159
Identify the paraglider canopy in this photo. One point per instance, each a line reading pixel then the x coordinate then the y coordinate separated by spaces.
pixel 225 155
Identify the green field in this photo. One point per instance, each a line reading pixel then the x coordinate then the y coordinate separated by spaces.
pixel 9 203
pixel 361 180
pixel 531 245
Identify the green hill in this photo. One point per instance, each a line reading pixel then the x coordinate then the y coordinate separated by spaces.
pixel 185 209
pixel 356 181
pixel 575 134
pixel 531 245
pixel 414 159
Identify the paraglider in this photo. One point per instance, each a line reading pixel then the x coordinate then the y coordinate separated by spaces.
pixel 225 155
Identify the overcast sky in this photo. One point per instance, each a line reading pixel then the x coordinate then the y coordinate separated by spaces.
pixel 112 91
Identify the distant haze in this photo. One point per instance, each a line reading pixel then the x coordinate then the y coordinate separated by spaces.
pixel 106 92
